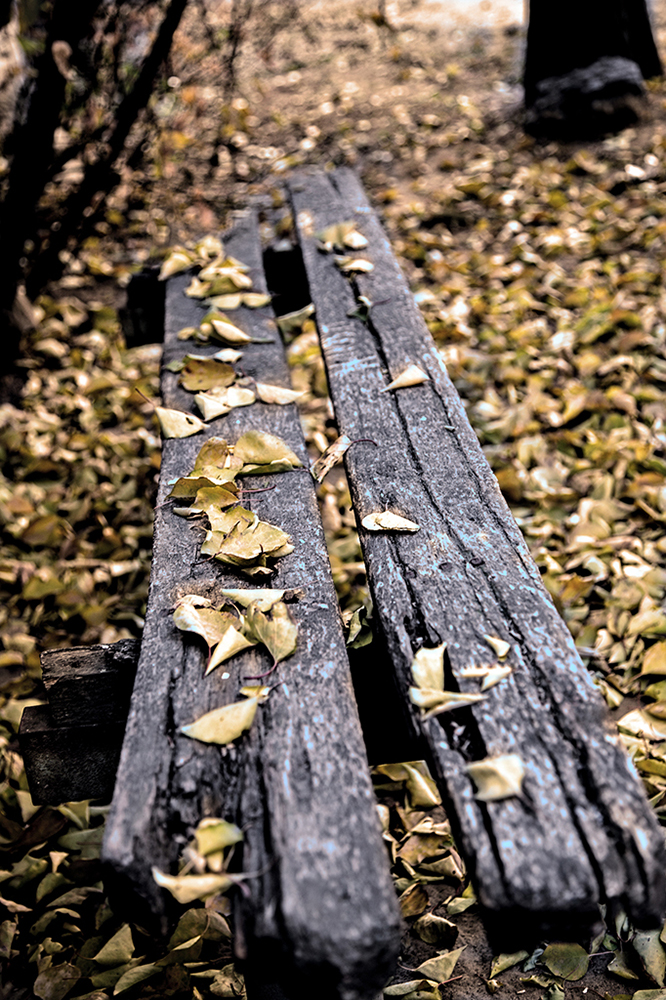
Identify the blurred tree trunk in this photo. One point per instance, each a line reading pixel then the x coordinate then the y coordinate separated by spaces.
pixel 585 65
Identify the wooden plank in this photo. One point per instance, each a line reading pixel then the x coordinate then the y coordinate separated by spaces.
pixel 68 763
pixel 89 684
pixel 582 832
pixel 321 903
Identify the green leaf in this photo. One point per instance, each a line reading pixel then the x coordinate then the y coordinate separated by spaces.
pixel 648 947
pixel 223 725
pixel 215 834
pixel 436 930
pixel 569 961
pixel 441 968
pixel 506 961
pixel 134 976
pixel 118 950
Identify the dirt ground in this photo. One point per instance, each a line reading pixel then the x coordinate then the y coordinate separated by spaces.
pixel 426 106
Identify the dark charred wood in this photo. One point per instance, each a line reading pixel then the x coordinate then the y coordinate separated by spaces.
pixel 582 833
pixel 320 912
pixel 68 763
pixel 71 747
pixel 585 64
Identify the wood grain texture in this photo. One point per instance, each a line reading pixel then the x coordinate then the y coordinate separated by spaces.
pixel 321 910
pixel 68 763
pixel 582 832
pixel 89 684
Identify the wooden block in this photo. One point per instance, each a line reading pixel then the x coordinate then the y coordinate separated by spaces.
pixel 89 684
pixel 321 911
pixel 68 763
pixel 582 832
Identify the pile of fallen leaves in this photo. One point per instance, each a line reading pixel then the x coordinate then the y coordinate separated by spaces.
pixel 539 271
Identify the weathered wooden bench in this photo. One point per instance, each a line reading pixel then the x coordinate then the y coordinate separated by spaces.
pixel 321 911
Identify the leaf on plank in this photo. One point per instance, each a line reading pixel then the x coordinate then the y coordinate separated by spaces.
pixel 293 322
pixel 354 265
pixel 178 260
pixel 386 520
pixel 228 333
pixel 210 499
pixel 260 691
pixel 210 624
pixel 231 643
pixel 495 675
pixel 200 374
pixel 498 777
pixel 187 888
pixel 436 701
pixel 411 376
pixel 276 394
pixel 232 301
pixel 194 601
pixel 228 354
pixel 428 668
pixel 263 600
pixel 330 457
pixel 218 401
pixel 278 633
pixel 261 453
pixel 177 424
pixel 500 646
pixel 214 834
pixel 223 725
pixel 341 235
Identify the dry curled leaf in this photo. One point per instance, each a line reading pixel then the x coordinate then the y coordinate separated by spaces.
pixel 498 777
pixel 386 520
pixel 330 457
pixel 428 668
pixel 411 376
pixel 177 424
pixel 231 643
pixel 276 394
pixel 187 888
pixel 501 646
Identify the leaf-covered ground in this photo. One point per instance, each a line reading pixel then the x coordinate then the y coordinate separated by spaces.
pixel 539 271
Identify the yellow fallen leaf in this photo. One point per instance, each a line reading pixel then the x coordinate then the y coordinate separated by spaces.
pixel 229 333
pixel 495 675
pixel 501 646
pixel 436 701
pixel 207 622
pixel 498 777
pixel 228 354
pixel 187 333
pixel 223 725
pixel 264 453
pixel 262 599
pixel 232 301
pixel 178 424
pixel 187 888
pixel 293 321
pixel 260 691
pixel 428 668
pixel 279 633
pixel 654 661
pixel 330 457
pixel 256 300
pixel 386 520
pixel 639 723
pixel 349 265
pixel 276 394
pixel 441 967
pixel 210 406
pixel 215 834
pixel 178 260
pixel 232 642
pixel 411 376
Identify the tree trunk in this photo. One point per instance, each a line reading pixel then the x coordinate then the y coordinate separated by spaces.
pixel 585 65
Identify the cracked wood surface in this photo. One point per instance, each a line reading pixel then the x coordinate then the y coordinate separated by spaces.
pixel 320 910
pixel 582 832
